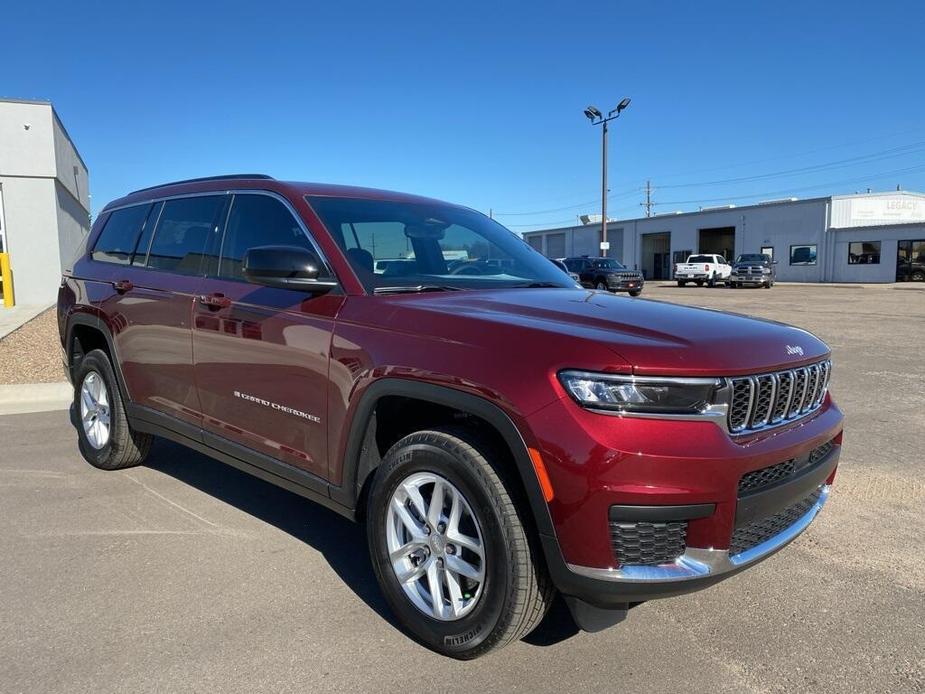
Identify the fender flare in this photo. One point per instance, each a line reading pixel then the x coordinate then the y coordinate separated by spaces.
pixel 356 472
pixel 96 323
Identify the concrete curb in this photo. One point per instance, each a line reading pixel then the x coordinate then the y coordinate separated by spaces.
pixel 35 397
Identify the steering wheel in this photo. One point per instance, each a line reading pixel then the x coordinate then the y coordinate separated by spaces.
pixel 467 269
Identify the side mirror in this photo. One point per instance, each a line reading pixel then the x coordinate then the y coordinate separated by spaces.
pixel 286 267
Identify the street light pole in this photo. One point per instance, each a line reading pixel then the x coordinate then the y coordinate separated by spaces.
pixel 605 249
pixel 597 118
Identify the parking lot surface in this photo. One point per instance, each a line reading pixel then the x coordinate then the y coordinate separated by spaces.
pixel 187 575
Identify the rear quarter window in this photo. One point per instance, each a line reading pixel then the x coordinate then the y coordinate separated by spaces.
pixel 119 237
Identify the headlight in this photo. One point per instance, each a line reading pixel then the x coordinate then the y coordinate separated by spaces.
pixel 766 271
pixel 644 394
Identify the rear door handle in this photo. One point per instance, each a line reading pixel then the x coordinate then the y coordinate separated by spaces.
pixel 123 286
pixel 215 300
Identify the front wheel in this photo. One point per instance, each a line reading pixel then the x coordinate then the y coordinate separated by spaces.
pixel 449 548
pixel 104 436
pixel 601 287
pixel 636 292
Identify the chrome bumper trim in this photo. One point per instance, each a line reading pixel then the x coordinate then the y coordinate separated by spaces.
pixel 700 563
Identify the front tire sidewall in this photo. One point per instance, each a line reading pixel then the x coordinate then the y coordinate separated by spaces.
pixel 460 637
pixel 99 457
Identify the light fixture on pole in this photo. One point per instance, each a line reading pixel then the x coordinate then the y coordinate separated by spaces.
pixel 597 118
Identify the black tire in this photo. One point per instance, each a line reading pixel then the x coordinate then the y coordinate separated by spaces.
pixel 517 591
pixel 124 447
pixel 712 281
pixel 699 283
pixel 918 276
pixel 682 283
pixel 601 286
pixel 636 292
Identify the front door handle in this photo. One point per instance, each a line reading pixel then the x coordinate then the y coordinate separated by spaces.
pixel 123 286
pixel 215 300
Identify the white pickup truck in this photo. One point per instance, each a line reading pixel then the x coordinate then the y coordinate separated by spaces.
pixel 703 268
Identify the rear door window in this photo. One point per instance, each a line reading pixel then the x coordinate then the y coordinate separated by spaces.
pixel 119 237
pixel 183 230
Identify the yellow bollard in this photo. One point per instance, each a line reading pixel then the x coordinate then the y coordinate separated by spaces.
pixel 6 275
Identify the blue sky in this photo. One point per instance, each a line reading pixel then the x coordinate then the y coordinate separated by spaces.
pixel 481 103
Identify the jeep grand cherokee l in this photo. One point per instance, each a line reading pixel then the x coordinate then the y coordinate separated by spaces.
pixel 503 434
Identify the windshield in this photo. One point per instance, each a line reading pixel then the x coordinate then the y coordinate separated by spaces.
pixel 753 258
pixel 608 264
pixel 400 244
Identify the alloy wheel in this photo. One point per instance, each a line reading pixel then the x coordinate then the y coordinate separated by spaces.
pixel 94 410
pixel 435 546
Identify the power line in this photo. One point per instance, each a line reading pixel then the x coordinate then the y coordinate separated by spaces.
pixel 913 148
pixel 596 201
pixel 829 184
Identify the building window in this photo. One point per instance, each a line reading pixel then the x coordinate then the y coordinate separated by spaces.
pixel 864 253
pixel 768 251
pixel 803 255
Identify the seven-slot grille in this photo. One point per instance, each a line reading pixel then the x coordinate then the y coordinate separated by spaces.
pixel 771 399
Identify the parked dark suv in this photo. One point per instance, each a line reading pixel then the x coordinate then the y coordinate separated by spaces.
pixel 606 274
pixel 503 434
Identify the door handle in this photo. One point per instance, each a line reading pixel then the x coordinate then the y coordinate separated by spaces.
pixel 215 300
pixel 123 286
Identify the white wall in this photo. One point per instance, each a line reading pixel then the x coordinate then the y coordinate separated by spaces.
pixel 26 152
pixel 31 212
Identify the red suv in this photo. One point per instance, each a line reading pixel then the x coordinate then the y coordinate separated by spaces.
pixel 504 434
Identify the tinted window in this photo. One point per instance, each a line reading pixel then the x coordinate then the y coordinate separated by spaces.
pixel 608 264
pixel 700 259
pixel 182 233
pixel 141 250
pixel 803 255
pixel 118 238
pixel 864 253
pixel 393 244
pixel 257 220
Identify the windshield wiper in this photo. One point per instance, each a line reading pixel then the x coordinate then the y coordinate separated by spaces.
pixel 416 289
pixel 537 285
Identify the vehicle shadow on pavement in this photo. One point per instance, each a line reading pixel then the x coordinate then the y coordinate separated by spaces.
pixel 335 537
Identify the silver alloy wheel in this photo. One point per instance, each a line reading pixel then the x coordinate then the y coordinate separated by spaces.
pixel 601 286
pixel 94 409
pixel 435 546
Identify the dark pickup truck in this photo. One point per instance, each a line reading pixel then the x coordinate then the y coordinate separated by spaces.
pixel 755 269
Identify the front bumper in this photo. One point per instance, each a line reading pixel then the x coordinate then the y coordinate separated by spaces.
pixel 626 285
pixel 665 482
pixel 751 279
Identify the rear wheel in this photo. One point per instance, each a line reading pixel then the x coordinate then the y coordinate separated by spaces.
pixel 682 283
pixel 712 281
pixel 450 550
pixel 104 436
pixel 699 283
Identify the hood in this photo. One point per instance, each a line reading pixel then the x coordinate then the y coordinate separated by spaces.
pixel 651 337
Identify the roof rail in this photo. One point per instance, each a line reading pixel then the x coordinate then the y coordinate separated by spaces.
pixel 225 177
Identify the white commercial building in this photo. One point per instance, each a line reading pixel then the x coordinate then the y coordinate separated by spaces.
pixel 44 198
pixel 871 237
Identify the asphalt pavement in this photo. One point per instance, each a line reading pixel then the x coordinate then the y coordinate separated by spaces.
pixel 187 575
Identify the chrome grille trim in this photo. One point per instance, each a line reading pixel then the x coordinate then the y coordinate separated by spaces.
pixel 776 398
